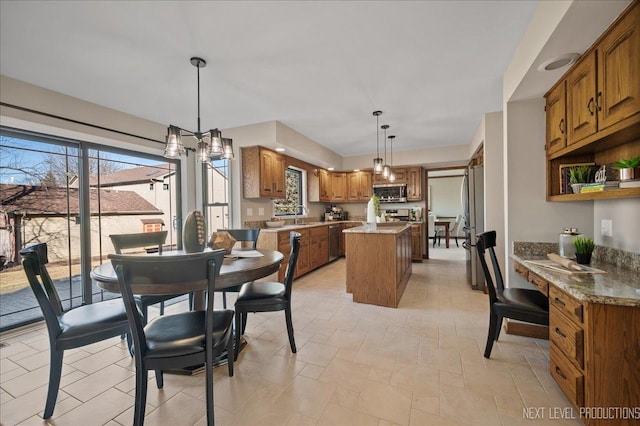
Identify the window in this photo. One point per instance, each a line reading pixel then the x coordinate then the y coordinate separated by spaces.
pixel 295 184
pixel 216 194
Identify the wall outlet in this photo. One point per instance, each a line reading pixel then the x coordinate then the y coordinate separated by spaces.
pixel 249 211
pixel 606 228
pixel 260 211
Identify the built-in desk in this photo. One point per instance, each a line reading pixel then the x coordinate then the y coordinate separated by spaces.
pixel 594 336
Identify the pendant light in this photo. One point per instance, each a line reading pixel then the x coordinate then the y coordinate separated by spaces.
pixel 392 175
pixel 377 162
pixel 386 170
pixel 211 144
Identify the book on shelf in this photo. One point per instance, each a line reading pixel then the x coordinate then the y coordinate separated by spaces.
pixel 592 187
pixel 635 183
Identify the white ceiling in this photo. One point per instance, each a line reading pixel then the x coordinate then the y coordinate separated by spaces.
pixel 321 68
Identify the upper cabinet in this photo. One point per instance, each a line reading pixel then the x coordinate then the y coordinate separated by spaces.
pixel 359 186
pixel 338 186
pixel 593 112
pixel 263 173
pixel 414 184
pixel 325 185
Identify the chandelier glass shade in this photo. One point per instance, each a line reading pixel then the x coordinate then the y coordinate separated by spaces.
pixel 211 144
pixel 392 175
pixel 377 162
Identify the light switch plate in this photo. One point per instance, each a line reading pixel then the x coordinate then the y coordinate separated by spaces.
pixel 606 228
pixel 260 211
pixel 249 211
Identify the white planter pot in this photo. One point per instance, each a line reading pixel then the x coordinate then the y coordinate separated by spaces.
pixel 576 187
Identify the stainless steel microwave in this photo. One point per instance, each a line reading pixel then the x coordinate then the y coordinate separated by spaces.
pixel 391 192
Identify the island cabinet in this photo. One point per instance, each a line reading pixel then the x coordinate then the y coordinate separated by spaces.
pixel 263 173
pixel 359 186
pixel 416 242
pixel 593 111
pixel 414 184
pixel 378 264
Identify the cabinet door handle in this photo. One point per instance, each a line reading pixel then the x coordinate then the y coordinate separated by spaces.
pixel 558 301
pixel 589 106
pixel 558 331
pixel 561 126
pixel 560 373
pixel 599 101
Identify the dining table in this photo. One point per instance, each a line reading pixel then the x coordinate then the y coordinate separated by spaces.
pixel 242 265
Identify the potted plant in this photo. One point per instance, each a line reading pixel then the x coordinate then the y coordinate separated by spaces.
pixel 579 175
pixel 626 167
pixel 584 249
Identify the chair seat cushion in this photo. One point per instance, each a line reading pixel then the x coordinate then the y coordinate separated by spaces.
pixel 531 300
pixel 184 333
pixel 88 320
pixel 261 291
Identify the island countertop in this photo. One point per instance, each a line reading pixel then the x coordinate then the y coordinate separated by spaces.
pixel 387 228
pixel 618 286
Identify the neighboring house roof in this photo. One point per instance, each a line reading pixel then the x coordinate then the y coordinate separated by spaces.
pixel 135 175
pixel 39 201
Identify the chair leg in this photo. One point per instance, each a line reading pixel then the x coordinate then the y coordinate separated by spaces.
pixel 224 299
pixel 231 354
pixel 161 308
pixel 159 379
pixel 493 319
pixel 208 367
pixel 457 245
pixel 287 315
pixel 145 314
pixel 130 344
pixel 498 327
pixel 244 321
pixel 141 395
pixel 238 321
pixel 55 372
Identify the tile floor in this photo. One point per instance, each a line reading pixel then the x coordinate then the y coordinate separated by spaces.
pixel 420 364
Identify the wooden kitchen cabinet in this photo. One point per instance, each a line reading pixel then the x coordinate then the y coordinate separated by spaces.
pixel 602 110
pixel 416 242
pixel 400 173
pixel 318 246
pixel 338 186
pixel 414 184
pixel 284 247
pixel 556 107
pixel 359 186
pixel 263 173
pixel 325 185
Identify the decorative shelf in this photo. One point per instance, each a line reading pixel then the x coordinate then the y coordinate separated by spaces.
pixel 603 195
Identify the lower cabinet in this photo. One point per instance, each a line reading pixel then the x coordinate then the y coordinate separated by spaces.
pixel 318 246
pixel 416 242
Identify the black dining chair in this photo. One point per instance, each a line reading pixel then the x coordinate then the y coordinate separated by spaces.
pixel 243 235
pixel 154 240
pixel 516 303
pixel 69 329
pixel 269 296
pixel 179 340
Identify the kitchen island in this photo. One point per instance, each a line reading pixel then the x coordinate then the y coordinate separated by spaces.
pixel 378 263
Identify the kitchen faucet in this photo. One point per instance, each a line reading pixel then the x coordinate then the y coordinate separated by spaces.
pixel 304 210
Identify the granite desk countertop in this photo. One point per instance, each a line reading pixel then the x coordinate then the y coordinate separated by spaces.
pixel 619 286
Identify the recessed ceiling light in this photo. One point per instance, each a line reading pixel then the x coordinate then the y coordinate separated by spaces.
pixel 331 168
pixel 356 170
pixel 280 149
pixel 559 62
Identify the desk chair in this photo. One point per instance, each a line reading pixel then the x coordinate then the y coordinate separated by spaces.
pixel 456 228
pixel 74 328
pixel 179 340
pixel 269 296
pixel 145 239
pixel 516 303
pixel 243 235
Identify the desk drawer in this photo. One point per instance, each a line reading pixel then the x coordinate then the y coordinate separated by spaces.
pixel 566 304
pixel 568 377
pixel 521 270
pixel 540 283
pixel 567 336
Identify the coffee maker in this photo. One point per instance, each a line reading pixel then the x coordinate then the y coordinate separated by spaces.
pixel 333 213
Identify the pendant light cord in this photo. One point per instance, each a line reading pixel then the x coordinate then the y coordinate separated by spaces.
pixel 198 72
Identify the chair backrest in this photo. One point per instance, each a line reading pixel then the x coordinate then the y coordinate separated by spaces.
pixel 249 234
pixel 458 225
pixel 487 242
pixel 161 275
pixel 431 224
pixel 144 239
pixel 34 260
pixel 294 239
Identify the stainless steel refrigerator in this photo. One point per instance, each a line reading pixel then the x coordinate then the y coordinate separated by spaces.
pixel 472 198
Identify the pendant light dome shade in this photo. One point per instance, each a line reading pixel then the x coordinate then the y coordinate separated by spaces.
pixel 386 170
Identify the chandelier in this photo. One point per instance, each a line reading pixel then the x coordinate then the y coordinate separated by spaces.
pixel 377 162
pixel 386 170
pixel 211 144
